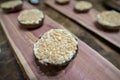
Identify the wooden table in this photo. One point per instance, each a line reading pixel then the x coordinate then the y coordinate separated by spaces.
pixel 9 69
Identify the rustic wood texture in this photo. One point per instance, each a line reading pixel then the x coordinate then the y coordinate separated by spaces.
pixel 87 65
pixel 88 20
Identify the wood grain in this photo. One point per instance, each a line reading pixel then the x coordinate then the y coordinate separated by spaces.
pixel 88 20
pixel 88 64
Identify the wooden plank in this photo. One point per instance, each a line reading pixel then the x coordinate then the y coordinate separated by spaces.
pixel 88 20
pixel 87 65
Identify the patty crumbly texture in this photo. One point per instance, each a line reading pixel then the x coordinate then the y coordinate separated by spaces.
pixel 83 5
pixel 56 46
pixel 11 4
pixel 109 18
pixel 32 16
pixel 62 1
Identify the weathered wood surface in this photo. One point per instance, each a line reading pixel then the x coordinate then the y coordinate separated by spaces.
pixel 88 65
pixel 88 20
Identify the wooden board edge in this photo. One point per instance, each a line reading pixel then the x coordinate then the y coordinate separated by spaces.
pixel 19 63
pixel 98 33
pixel 20 59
